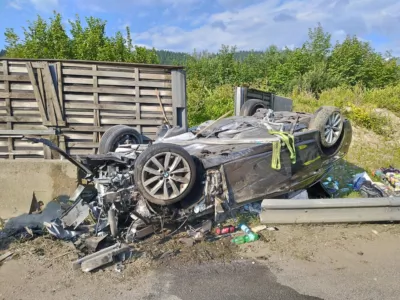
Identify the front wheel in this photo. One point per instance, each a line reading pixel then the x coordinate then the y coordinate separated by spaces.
pixel 165 173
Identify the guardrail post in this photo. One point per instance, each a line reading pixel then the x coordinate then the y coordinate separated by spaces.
pixel 178 78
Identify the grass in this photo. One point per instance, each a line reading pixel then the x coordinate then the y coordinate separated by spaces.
pixel 356 104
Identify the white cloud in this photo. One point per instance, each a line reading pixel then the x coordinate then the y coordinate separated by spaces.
pixel 44 5
pixel 40 5
pixel 17 4
pixel 258 25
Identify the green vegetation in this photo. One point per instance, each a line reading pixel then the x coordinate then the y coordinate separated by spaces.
pixel 349 74
pixel 49 39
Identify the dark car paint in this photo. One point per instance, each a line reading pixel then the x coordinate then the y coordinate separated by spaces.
pixel 251 178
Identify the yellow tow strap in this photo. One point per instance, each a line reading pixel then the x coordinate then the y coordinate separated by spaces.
pixel 288 139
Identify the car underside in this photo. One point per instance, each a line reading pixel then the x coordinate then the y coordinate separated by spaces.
pixel 211 169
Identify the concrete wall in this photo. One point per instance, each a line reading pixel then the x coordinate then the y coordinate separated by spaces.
pixel 20 179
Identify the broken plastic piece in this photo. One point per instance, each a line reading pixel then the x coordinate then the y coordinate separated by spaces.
pixel 92 243
pixel 258 228
pixel 78 211
pixel 56 229
pixel 100 258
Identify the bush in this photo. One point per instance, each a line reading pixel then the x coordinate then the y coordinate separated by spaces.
pixel 388 98
pixel 205 104
pixel 356 103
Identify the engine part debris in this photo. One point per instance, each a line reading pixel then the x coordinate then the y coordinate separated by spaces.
pixel 100 258
pixel 93 242
pixel 56 229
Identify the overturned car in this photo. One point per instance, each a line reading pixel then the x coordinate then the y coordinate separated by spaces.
pixel 211 169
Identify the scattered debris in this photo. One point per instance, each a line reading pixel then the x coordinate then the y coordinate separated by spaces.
pixel 218 237
pixel 391 177
pixel 360 253
pixel 100 258
pixel 331 186
pixel 198 231
pixel 375 232
pixel 5 256
pixel 252 208
pixel 258 228
pixel 56 229
pixel 34 222
pixel 119 267
pixel 224 230
pixel 77 212
pixel 249 237
pixel 300 194
pixel 92 243
pixel 272 229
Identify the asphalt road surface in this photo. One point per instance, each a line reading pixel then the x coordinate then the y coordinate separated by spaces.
pixel 240 280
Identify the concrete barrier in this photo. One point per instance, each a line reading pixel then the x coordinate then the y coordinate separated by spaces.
pixel 20 180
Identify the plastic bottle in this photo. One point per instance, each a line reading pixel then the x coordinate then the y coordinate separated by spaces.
pixel 245 228
pixel 245 238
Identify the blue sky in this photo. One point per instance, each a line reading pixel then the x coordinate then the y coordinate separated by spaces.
pixel 185 25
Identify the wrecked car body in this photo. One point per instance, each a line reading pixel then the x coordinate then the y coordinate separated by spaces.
pixel 211 169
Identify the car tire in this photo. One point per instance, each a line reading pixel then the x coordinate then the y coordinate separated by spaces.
pixel 165 173
pixel 250 107
pixel 111 138
pixel 328 120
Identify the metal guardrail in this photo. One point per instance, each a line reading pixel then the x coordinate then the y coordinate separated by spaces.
pixel 336 210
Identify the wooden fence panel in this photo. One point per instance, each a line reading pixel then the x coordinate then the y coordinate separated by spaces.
pixel 81 99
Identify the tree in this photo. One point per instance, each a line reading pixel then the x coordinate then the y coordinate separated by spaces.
pixel 319 44
pixel 49 39
pixel 354 61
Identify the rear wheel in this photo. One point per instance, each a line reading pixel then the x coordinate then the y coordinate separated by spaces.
pixel 328 120
pixel 165 173
pixel 118 135
pixel 250 107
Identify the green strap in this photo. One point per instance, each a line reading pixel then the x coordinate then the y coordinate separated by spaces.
pixel 276 157
pixel 288 139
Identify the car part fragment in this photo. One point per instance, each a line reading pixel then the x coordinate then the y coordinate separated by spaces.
pixel 49 144
pixel 100 258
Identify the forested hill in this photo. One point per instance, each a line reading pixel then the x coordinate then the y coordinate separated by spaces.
pixel 179 58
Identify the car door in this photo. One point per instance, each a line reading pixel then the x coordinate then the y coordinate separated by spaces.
pixel 252 178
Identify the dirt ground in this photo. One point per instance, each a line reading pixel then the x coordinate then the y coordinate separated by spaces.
pixel 311 259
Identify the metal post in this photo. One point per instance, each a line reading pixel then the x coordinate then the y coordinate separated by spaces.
pixel 179 103
pixel 240 98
